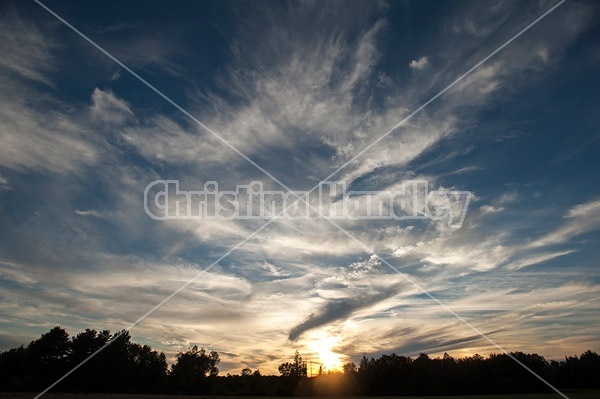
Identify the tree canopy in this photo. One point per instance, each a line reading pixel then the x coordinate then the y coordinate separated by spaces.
pixel 124 366
pixel 295 369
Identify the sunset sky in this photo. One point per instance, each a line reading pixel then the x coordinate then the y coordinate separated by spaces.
pixel 300 88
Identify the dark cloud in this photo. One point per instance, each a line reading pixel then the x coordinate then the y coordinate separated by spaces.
pixel 8 341
pixel 429 344
pixel 338 309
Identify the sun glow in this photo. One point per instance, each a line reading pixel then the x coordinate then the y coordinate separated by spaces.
pixel 330 360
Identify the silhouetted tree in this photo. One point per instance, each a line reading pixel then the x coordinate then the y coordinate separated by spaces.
pixel 150 368
pixel 295 369
pixel 590 369
pixel 15 372
pixel 83 345
pixel 48 356
pixel 128 367
pixel 86 343
pixel 191 368
pixel 350 368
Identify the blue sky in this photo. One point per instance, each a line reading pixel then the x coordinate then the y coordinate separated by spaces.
pixel 300 88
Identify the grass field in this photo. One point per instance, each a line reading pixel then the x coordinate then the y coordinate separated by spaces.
pixel 579 394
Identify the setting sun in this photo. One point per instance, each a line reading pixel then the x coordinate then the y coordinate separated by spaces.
pixel 330 360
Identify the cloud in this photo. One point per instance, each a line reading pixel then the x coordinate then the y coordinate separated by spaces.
pixel 13 340
pixel 336 310
pixel 485 209
pixel 495 250
pixel 535 259
pixel 107 108
pixel 165 140
pixel 42 137
pixel 116 75
pixel 419 64
pixel 271 268
pixel 4 183
pixel 27 51
pixel 578 220
pixel 88 213
pixel 38 131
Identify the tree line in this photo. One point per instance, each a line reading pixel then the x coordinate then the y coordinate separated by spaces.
pixel 124 366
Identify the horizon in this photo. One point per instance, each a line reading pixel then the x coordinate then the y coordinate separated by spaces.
pixel 293 95
pixel 314 369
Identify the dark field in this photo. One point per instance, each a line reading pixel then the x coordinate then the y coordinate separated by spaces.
pixel 579 394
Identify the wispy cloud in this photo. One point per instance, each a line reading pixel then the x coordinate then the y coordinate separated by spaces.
pixel 27 50
pixel 108 108
pixel 580 219
pixel 4 183
pixel 87 213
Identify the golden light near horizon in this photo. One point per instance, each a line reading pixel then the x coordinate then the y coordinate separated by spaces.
pixel 322 345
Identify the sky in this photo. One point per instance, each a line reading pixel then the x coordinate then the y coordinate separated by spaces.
pixel 301 88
